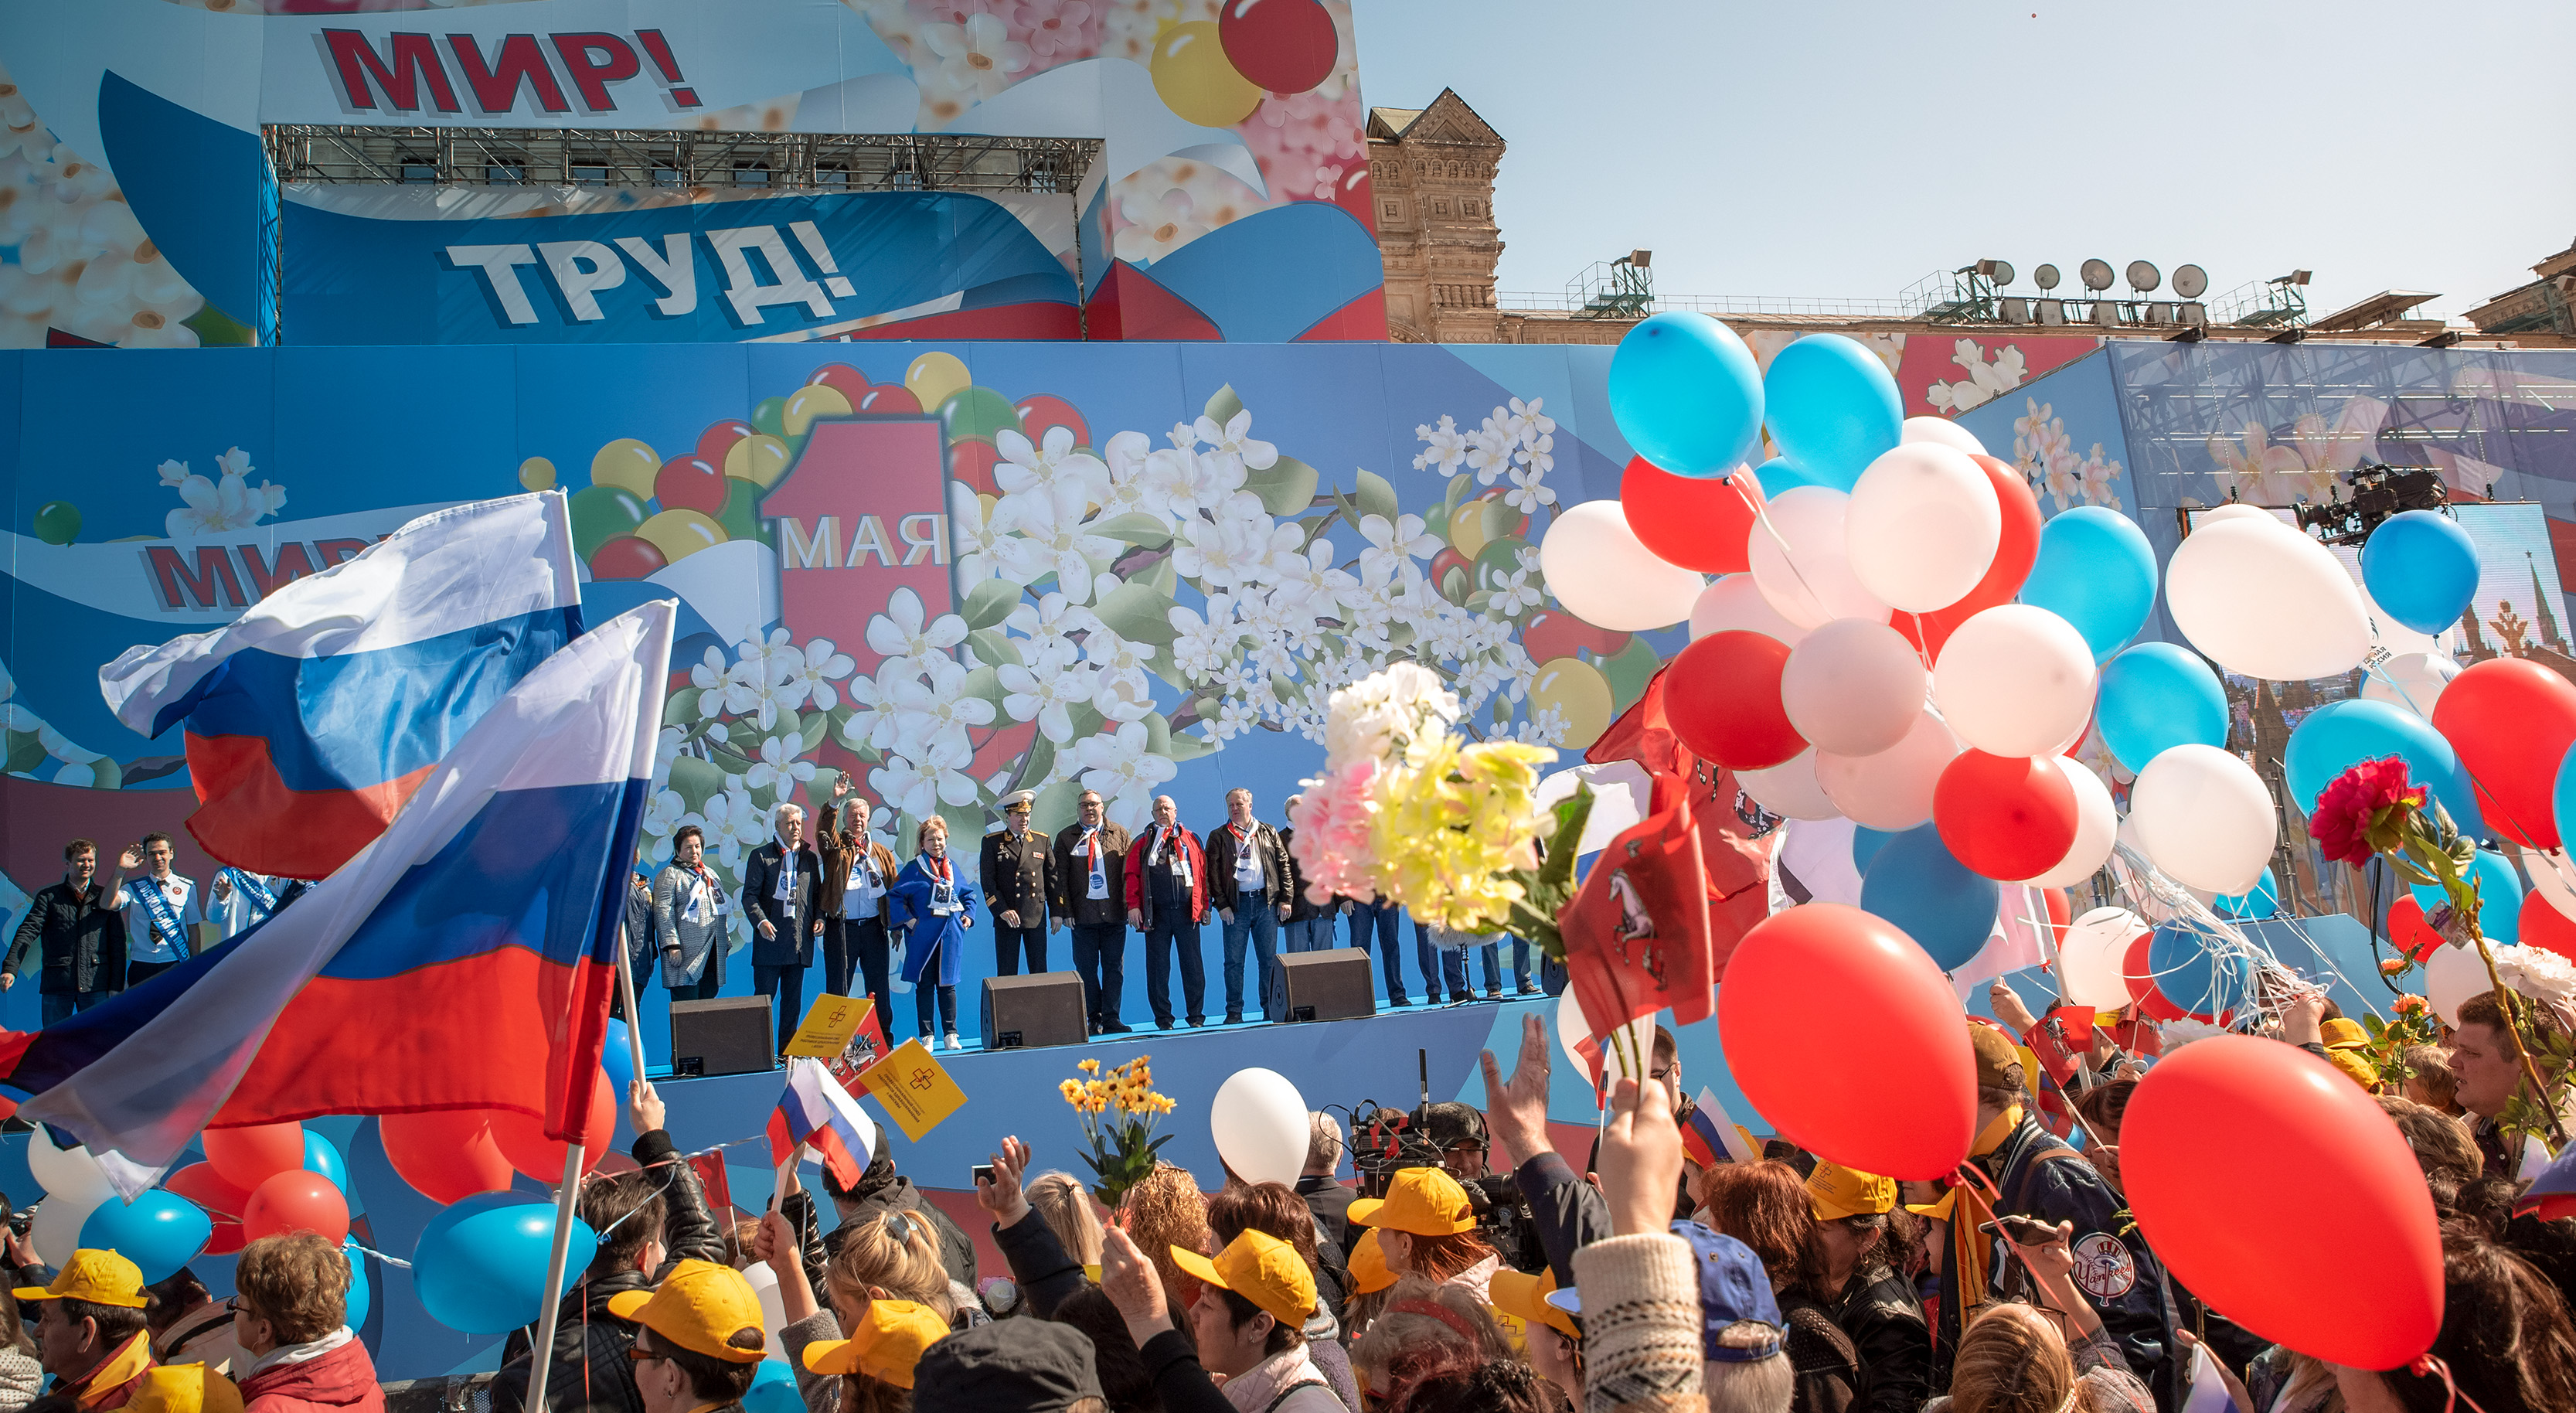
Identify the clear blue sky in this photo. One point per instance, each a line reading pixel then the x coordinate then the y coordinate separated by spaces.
pixel 1843 149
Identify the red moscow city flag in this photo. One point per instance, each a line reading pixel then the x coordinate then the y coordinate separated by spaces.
pixel 1636 934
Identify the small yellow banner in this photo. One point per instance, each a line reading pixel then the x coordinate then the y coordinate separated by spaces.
pixel 916 1092
pixel 829 1025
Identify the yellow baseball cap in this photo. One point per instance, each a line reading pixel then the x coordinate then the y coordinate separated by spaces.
pixel 185 1388
pixel 1524 1295
pixel 99 1277
pixel 1262 1269
pixel 703 1308
pixel 886 1346
pixel 1836 1191
pixel 1421 1202
pixel 2342 1033
pixel 1369 1274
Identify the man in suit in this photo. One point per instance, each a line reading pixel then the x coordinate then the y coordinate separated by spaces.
pixel 780 882
pixel 1091 889
pixel 1018 872
pixel 1248 876
pixel 857 872
pixel 1167 897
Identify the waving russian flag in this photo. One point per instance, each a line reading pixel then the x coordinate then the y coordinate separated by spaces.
pixel 463 960
pixel 313 716
pixel 815 1112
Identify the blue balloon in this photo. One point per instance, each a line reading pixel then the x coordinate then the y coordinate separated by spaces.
pixel 361 1298
pixel 2340 735
pixel 1866 842
pixel 159 1231
pixel 17 1180
pixel 2206 984
pixel 616 1058
pixel 480 1265
pixel 1687 395
pixel 2262 900
pixel 321 1157
pixel 2421 568
pixel 1917 884
pixel 1780 473
pixel 2157 696
pixel 773 1392
pixel 2499 896
pixel 1833 407
pixel 2096 570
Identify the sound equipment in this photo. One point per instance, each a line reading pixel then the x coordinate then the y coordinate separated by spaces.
pixel 1025 1012
pixel 726 1035
pixel 1334 985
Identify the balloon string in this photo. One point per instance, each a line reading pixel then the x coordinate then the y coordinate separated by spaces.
pixel 1762 517
pixel 2429 1365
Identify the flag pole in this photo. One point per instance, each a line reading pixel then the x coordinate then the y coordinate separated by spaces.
pixel 565 1203
pixel 626 993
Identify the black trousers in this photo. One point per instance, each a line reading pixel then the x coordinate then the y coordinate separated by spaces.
pixel 861 940
pixel 137 973
pixel 1173 932
pixel 702 989
pixel 787 983
pixel 1100 955
pixel 1010 942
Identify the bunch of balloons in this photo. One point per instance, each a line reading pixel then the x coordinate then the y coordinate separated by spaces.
pixel 480 1265
pixel 266 1180
pixel 449 1155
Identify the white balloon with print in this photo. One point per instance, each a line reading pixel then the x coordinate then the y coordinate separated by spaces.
pixel 2411 681
pixel 2263 600
pixel 2204 817
pixel 1603 574
pixel 1259 1122
pixel 1892 789
pixel 2015 681
pixel 1853 687
pixel 1922 527
pixel 1800 557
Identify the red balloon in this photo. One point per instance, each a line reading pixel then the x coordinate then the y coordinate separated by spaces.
pixel 446 1156
pixel 2139 975
pixel 691 483
pixel 971 465
pixel 849 382
pixel 2542 925
pixel 626 557
pixel 1044 410
pixel 224 1203
pixel 1722 696
pixel 2222 1151
pixel 523 1139
pixel 1286 46
pixel 296 1201
pixel 2408 932
pixel 2007 817
pixel 1553 633
pixel 248 1156
pixel 2014 554
pixel 1697 524
pixel 719 438
pixel 886 400
pixel 1843 1033
pixel 2512 721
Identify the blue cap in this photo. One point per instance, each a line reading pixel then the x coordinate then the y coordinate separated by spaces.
pixel 1732 1287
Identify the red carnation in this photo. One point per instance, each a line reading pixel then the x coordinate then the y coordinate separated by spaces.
pixel 2357 814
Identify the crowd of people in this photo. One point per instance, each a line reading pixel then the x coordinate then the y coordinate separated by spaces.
pixel 92 938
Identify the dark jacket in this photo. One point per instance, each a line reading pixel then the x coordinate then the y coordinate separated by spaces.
pixel 1140 892
pixel 793 944
pixel 1044 1270
pixel 1331 1204
pixel 1570 1212
pixel 1221 848
pixel 83 942
pixel 1018 875
pixel 341 1381
pixel 1299 910
pixel 1878 1311
pixel 1073 900
pixel 882 1190
pixel 590 1365
pixel 840 849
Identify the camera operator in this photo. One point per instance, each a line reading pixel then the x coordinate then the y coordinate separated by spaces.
pixel 1457 1132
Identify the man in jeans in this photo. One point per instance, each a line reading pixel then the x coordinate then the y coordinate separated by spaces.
pixel 83 952
pixel 1091 889
pixel 1248 873
pixel 1379 923
pixel 161 909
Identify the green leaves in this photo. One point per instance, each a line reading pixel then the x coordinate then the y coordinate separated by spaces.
pixel 1135 527
pixel 1551 886
pixel 1375 496
pixel 1286 486
pixel 989 603
pixel 1139 612
pixel 1223 404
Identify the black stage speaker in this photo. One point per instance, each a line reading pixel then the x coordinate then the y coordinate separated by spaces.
pixel 1024 1012
pixel 1330 985
pixel 727 1035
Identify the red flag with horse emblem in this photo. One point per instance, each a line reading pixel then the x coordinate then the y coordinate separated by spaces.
pixel 1636 935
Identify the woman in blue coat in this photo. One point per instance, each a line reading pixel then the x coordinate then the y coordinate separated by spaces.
pixel 930 904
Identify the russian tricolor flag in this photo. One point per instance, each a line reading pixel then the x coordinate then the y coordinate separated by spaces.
pixel 815 1112
pixel 312 717
pixel 463 960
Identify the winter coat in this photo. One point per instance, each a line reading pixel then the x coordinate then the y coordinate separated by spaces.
pixel 791 943
pixel 1221 849
pixel 1140 895
pixel 840 850
pixel 1884 1322
pixel 929 935
pixel 693 948
pixel 340 1379
pixel 83 940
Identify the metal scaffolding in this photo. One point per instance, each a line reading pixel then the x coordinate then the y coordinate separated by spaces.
pixel 442 156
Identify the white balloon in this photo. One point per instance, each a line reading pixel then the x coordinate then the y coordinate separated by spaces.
pixel 2015 680
pixel 2205 818
pixel 2452 975
pixel 1922 527
pixel 57 1227
pixel 1789 789
pixel 1940 431
pixel 2088 961
pixel 1259 1122
pixel 1892 789
pixel 1799 557
pixel 2551 876
pixel 1735 604
pixel 1853 687
pixel 1604 575
pixel 2097 827
pixel 1818 853
pixel 1572 1029
pixel 2238 510
pixel 773 1306
pixel 2412 681
pixel 2395 638
pixel 1621 789
pixel 64 1172
pixel 2266 601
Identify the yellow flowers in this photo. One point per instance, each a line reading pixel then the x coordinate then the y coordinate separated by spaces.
pixel 1089 1067
pixel 1452 825
pixel 1122 1149
pixel 1129 1089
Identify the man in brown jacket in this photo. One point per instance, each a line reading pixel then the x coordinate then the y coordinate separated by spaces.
pixel 857 871
pixel 1091 889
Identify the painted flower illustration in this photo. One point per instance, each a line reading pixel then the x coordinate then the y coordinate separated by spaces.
pixel 226 502
pixel 1157 226
pixel 1987 379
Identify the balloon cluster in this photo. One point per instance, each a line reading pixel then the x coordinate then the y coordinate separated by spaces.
pixel 266 1180
pixel 1215 73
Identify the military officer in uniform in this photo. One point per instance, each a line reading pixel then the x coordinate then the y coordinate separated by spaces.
pixel 1018 870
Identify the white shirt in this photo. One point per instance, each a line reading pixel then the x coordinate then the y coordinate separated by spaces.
pixel 143 941
pixel 1247 859
pixel 1099 859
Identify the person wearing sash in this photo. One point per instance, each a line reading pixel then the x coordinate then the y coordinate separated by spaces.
pixel 240 900
pixel 1167 900
pixel 689 919
pixel 932 905
pixel 161 911
pixel 857 873
pixel 779 884
pixel 1091 890
pixel 1248 874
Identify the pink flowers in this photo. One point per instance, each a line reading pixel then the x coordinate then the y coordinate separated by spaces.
pixel 2361 813
pixel 1332 838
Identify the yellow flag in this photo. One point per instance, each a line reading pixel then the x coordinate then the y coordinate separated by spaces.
pixel 916 1092
pixel 829 1025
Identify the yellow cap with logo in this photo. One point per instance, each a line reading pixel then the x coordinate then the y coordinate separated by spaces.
pixel 1524 1295
pixel 1834 1191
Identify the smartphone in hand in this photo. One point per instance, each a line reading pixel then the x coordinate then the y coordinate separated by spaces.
pixel 978 1175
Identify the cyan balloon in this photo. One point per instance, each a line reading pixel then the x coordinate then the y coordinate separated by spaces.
pixel 1780 473
pixel 2421 569
pixel 1916 883
pixel 616 1057
pixel 772 1392
pixel 361 1298
pixel 321 1157
pixel 159 1231
pixel 1832 407
pixel 2562 803
pixel 2340 735
pixel 1866 842
pixel 2203 982
pixel 1687 395
pixel 2262 900
pixel 480 1264
pixel 2499 896
pixel 2095 570
pixel 2156 696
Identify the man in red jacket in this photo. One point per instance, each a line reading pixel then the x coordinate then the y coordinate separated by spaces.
pixel 90 1329
pixel 1167 900
pixel 291 1315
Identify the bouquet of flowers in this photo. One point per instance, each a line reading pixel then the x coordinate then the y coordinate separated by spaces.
pixel 1122 1148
